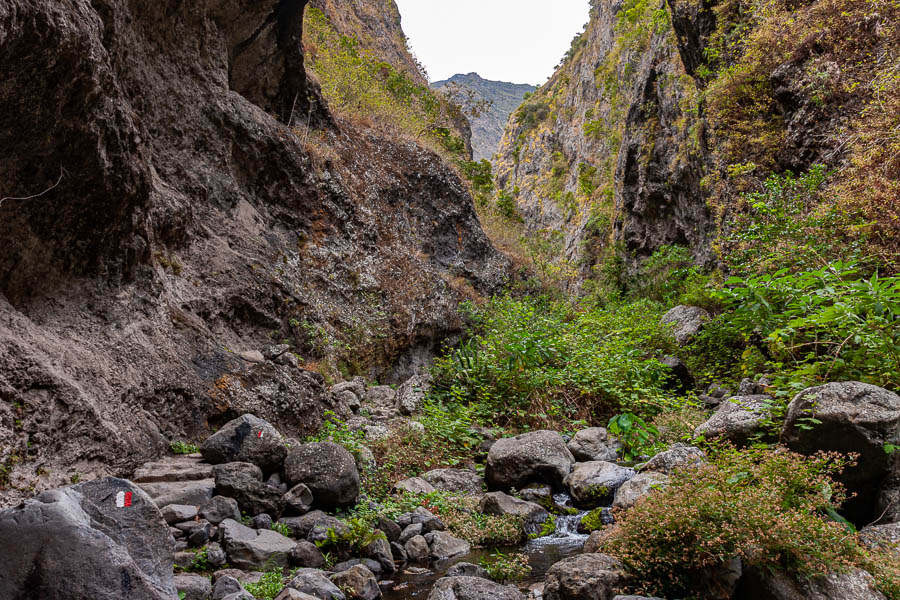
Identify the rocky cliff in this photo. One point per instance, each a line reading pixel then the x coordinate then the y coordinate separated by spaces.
pixel 161 224
pixel 663 115
pixel 491 102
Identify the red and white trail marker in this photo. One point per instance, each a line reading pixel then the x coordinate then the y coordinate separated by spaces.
pixel 259 435
pixel 123 499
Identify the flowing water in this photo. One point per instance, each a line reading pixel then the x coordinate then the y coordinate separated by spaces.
pixel 542 553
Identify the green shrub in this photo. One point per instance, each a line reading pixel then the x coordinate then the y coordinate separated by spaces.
pixel 773 509
pixel 270 585
pixel 505 568
pixel 637 436
pixel 179 447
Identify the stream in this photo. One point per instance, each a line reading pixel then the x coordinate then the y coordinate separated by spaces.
pixel 542 553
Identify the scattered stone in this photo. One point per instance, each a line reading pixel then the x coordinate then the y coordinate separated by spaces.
pixel 219 508
pixel 215 555
pixel 183 559
pixel 677 457
pixel 194 587
pixel 464 569
pixel 298 500
pixel 229 588
pixel 328 470
pixel 251 549
pixel 444 546
pixel 637 487
pixel 103 539
pixel 252 356
pixel 246 439
pixel 193 493
pixel 199 533
pixel 417 549
pixel 411 394
pixel 855 417
pixel 389 527
pixel 856 585
pixel 358 582
pixel 414 485
pixel 584 577
pixel 430 521
pixel 472 588
pixel 240 481
pixel 595 483
pixel 461 481
pixel 594 443
pixel 594 543
pixel 411 531
pixel 303 527
pixel 379 550
pixel 498 503
pixel 261 521
pixel 306 554
pixel 292 594
pixel 177 513
pixel 737 419
pixel 534 457
pixel 686 321
pixel 314 583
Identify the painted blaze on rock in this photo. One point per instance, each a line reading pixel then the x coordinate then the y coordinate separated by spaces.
pixel 246 439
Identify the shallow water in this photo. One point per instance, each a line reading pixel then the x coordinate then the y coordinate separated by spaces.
pixel 542 554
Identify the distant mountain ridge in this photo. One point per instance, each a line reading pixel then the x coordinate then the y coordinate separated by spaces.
pixel 487 128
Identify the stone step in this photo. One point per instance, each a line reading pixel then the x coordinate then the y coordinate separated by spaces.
pixel 177 468
pixel 191 493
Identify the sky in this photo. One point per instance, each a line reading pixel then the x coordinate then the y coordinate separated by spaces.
pixel 520 41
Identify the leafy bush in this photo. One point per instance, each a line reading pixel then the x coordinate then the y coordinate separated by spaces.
pixel 505 568
pixel 179 447
pixel 269 585
pixel 773 509
pixel 637 436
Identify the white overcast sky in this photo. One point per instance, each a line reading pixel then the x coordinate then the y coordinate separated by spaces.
pixel 520 41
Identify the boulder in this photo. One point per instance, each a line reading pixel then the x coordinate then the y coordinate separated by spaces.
pixel 177 513
pixel 182 467
pixel 358 582
pixel 314 583
pixel 677 457
pixel 414 485
pixel 229 588
pixel 246 439
pixel 389 527
pixel 856 585
pixel 411 395
pixel 854 417
pixel 193 493
pixel 219 508
pixel 472 588
pixel 637 487
pixel 686 322
pixel 239 481
pixel 298 500
pixel 430 521
pixel 103 540
pixel 444 546
pixel 292 594
pixel 584 577
pixel 306 554
pixel 194 587
pixel 594 543
pixel 534 457
pixel 593 443
pixel 417 549
pixel 464 569
pixel 462 481
pixel 261 521
pixel 595 483
pixel 737 419
pixel 881 537
pixel 250 549
pixel 498 503
pixel 328 470
pixel 411 531
pixel 379 550
pixel 302 527
pixel 381 396
pixel 215 554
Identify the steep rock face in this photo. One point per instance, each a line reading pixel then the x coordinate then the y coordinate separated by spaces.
pixel 176 222
pixel 604 151
pixel 488 122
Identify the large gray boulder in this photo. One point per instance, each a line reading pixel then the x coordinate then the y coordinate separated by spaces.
pixel 254 549
pixel 637 487
pixel 594 483
pixel 316 584
pixel 854 417
pixel 534 457
pixel 585 577
pixel 328 470
pixel 246 439
pixel 358 582
pixel 677 457
pixel 242 482
pixel 856 585
pixel 498 503
pixel 686 322
pixel 444 546
pixel 103 540
pixel 472 588
pixel 593 443
pixel 737 419
pixel 462 481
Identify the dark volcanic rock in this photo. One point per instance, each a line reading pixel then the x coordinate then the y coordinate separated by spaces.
pixel 328 470
pixel 535 457
pixel 246 439
pixel 77 542
pixel 238 481
pixel 472 588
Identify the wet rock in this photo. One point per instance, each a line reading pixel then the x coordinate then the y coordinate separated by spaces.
pixel 219 508
pixel 306 554
pixel 855 417
pixel 444 546
pixel 242 482
pixel 328 470
pixel 246 439
pixel 535 457
pixel 637 487
pixel 194 587
pixel 677 457
pixel 358 582
pixel 498 503
pixel 595 483
pixel 462 481
pixel 314 583
pixel 737 419
pixel 414 485
pixel 411 394
pixel 464 569
pixel 298 500
pixel 176 513
pixel 593 443
pixel 417 549
pixel 77 542
pixel 250 549
pixel 472 588
pixel 686 322
pixel 585 577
